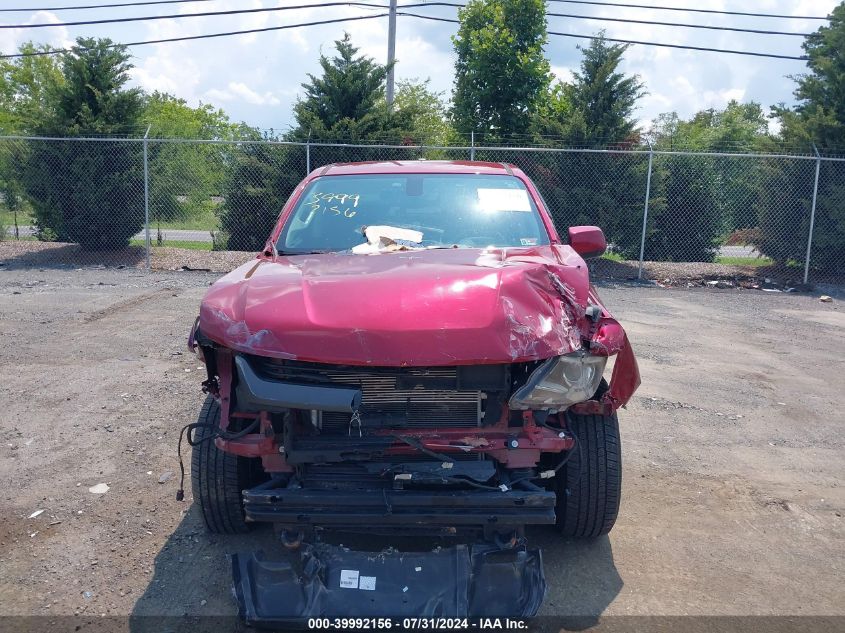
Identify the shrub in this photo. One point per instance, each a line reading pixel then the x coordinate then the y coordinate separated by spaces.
pixel 785 195
pixel 685 221
pixel 260 180
pixel 82 193
pixel 219 240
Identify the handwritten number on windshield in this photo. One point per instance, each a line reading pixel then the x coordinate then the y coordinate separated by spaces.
pixel 345 203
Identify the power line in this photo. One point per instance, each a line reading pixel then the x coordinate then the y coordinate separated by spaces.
pixel 414 15
pixel 651 6
pixel 198 15
pixel 589 2
pixel 633 21
pixel 380 6
pixel 644 43
pixel 98 6
pixel 678 24
pixel 203 37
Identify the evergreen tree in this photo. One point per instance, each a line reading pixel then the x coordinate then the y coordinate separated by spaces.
pixel 818 119
pixel 603 96
pixel 595 109
pixel 347 101
pixel 90 193
pixel 820 115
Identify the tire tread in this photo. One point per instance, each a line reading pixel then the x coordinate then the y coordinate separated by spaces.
pixel 589 493
pixel 217 478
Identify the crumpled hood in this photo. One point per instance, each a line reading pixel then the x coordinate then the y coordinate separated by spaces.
pixel 421 308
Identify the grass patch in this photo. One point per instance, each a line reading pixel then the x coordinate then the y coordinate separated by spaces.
pixel 614 257
pixel 194 246
pixel 755 262
pixel 10 237
pixel 205 221
pixel 7 218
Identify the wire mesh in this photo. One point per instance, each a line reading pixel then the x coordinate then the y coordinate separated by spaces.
pixel 212 204
pixel 72 201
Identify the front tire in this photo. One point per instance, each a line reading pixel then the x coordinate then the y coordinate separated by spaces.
pixel 589 486
pixel 217 478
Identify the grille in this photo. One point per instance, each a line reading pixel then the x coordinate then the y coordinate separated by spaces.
pixel 391 397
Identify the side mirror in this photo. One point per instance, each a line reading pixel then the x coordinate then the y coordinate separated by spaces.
pixel 587 241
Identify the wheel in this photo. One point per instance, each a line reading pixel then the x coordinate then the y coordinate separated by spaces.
pixel 589 486
pixel 217 478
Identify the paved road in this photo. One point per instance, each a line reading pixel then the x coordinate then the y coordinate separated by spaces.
pixel 190 235
pixel 739 251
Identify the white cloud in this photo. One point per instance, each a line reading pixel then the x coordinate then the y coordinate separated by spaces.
pixel 258 76
pixel 237 91
pixel 57 37
pixel 562 73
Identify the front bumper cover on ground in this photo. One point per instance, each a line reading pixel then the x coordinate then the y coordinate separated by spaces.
pixel 333 581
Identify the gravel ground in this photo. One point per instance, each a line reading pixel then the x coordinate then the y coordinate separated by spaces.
pixel 733 456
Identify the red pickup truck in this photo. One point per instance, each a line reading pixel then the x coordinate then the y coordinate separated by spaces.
pixel 416 349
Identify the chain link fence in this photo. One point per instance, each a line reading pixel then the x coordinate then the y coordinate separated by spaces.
pixel 171 203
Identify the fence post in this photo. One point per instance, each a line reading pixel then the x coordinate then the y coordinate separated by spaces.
pixel 307 157
pixel 645 208
pixel 147 199
pixel 472 145
pixel 812 214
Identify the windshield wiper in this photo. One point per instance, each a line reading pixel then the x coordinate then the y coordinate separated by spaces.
pixel 303 252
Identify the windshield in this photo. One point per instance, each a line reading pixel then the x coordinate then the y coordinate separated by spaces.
pixel 441 210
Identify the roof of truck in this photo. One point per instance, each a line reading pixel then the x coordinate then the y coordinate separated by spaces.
pixel 415 167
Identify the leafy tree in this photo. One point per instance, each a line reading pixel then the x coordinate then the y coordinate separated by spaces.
pixel 740 126
pixel 90 193
pixel 171 117
pixel 424 111
pixel 735 181
pixel 26 89
pixel 185 177
pixel 501 73
pixel 25 100
pixel 819 119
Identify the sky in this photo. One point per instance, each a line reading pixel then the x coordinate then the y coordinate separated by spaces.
pixel 257 77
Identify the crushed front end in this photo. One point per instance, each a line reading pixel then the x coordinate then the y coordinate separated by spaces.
pixel 415 352
pixel 433 449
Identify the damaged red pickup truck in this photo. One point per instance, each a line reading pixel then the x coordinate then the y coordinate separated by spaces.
pixel 415 351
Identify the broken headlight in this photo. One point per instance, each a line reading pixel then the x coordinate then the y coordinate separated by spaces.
pixel 560 382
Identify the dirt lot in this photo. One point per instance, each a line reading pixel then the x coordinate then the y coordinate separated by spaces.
pixel 734 461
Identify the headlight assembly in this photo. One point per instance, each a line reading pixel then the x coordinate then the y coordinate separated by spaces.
pixel 560 382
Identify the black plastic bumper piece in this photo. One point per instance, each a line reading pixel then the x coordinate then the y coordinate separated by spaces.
pixel 261 394
pixel 409 507
pixel 332 581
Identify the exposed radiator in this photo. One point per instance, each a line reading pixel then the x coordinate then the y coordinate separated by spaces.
pixel 384 405
pixel 392 397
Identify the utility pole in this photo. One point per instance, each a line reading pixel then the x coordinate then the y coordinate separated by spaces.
pixel 391 52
